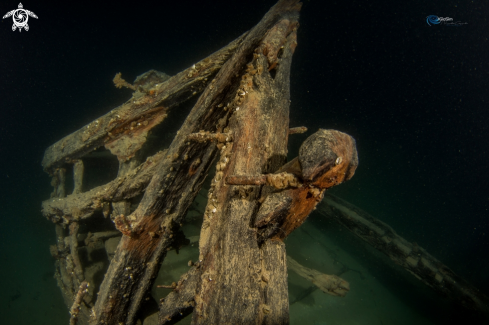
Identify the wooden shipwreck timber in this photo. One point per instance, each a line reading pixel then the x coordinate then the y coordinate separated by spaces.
pixel 239 124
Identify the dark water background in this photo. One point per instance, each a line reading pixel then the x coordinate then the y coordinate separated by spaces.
pixel 414 97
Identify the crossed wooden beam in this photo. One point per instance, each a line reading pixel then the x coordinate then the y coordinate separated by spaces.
pixel 240 122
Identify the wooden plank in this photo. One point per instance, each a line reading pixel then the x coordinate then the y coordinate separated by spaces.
pixel 330 284
pixel 82 205
pixel 242 257
pixel 148 231
pixel 180 302
pixel 131 121
pixel 410 256
pixel 234 269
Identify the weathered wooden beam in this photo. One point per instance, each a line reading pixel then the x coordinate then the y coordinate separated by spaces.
pixel 240 248
pixel 83 205
pixel 148 231
pixel 58 181
pixel 124 129
pixel 243 112
pixel 75 308
pixel 330 284
pixel 63 277
pixel 234 269
pixel 180 302
pixel 409 255
pixel 74 227
pixel 78 173
pixel 93 237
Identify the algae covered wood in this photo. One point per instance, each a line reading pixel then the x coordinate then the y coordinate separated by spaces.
pixel 244 244
pixel 330 284
pixel 410 256
pixel 149 229
pixel 244 109
pixel 243 113
pixel 124 129
pixel 235 270
pixel 82 205
pixel 255 201
pixel 180 302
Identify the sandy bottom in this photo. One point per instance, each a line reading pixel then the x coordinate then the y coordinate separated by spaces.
pixel 373 297
pixel 380 293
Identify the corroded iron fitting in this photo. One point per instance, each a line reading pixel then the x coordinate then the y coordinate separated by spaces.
pixel 279 181
pixel 297 130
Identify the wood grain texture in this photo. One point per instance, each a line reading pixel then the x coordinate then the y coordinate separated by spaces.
pixel 410 256
pixel 130 122
pixel 173 187
pixel 241 281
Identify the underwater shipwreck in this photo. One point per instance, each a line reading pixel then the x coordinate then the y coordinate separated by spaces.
pixel 231 152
